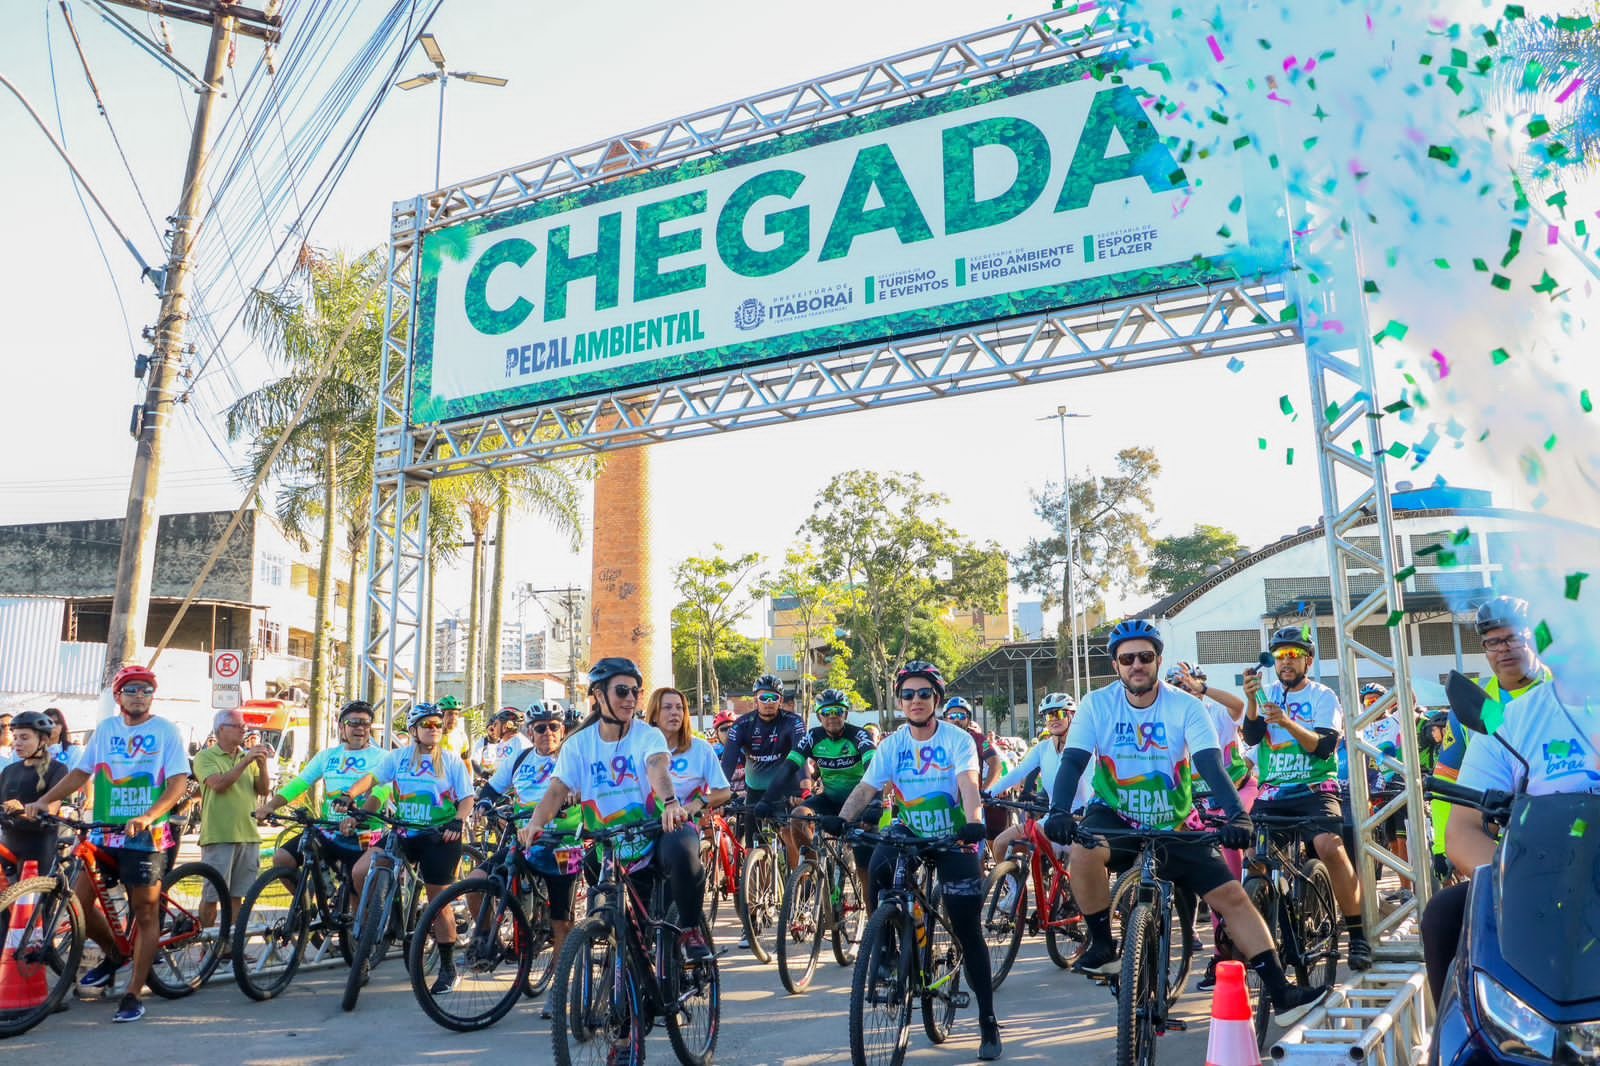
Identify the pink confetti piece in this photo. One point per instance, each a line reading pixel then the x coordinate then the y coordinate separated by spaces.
pixel 1573 86
pixel 1333 325
pixel 1177 208
pixel 1311 65
pixel 1369 23
pixel 1444 364
pixel 1274 96
pixel 1554 236
pixel 1289 63
pixel 1216 49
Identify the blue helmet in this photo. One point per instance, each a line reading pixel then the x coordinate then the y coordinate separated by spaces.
pixel 1133 629
pixel 956 703
pixel 421 713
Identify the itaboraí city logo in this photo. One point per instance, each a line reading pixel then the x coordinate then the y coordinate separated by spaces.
pixel 750 314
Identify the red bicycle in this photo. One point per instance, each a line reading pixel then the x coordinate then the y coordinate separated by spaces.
pixel 1005 905
pixel 722 856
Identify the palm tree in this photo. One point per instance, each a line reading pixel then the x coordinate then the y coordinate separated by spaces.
pixel 325 466
pixel 1546 59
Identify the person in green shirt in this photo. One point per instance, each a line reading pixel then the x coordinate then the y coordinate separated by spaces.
pixel 233 778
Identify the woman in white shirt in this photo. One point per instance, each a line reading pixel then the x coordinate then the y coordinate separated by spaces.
pixel 1045 757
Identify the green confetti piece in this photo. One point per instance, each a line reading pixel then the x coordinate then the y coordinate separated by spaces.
pixel 1584 402
pixel 1288 457
pixel 1432 549
pixel 1395 618
pixel 1461 536
pixel 1579 827
pixel 1224 232
pixel 1359 448
pixel 1234 204
pixel 1542 637
pixel 1218 117
pixel 1458 57
pixel 1405 575
pixel 1177 177
pixel 1546 283
pixel 1550 443
pixel 1491 38
pixel 1261 442
pixel 1332 413
pixel 1397 330
pixel 1290 313
pixel 1514 12
pixel 1447 559
pixel 1241 142
pixel 1443 153
pixel 1397 450
pixel 1574 583
pixel 1499 355
pixel 1531 75
pixel 1442 263
pixel 1370 288
pixel 1501 282
pixel 1480 265
pixel 1396 407
pixel 1538 127
pixel 1574 25
pixel 1285 406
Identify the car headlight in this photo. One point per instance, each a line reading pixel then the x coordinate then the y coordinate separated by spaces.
pixel 1513 1026
pixel 1582 1040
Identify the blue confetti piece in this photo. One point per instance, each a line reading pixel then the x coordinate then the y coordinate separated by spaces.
pixel 1236 364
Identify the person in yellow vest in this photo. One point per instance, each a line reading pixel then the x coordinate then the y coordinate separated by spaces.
pixel 455 740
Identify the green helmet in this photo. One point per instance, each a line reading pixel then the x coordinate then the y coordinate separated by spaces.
pixel 449 703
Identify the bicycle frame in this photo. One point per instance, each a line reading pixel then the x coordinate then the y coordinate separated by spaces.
pixel 727 851
pixel 1044 854
pixel 648 970
pixel 85 857
pixel 1267 858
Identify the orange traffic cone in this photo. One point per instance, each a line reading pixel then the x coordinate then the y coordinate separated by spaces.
pixel 22 983
pixel 1233 1036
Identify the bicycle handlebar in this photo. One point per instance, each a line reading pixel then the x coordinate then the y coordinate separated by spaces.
pixel 1491 801
pixel 902 840
pixel 1024 806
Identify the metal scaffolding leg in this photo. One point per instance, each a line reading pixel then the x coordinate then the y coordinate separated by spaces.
pixel 397 596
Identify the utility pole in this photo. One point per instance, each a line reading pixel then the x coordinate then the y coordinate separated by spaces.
pixel 1068 582
pixel 131 595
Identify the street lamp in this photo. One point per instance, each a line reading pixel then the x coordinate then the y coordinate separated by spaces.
pixel 1068 605
pixel 430 45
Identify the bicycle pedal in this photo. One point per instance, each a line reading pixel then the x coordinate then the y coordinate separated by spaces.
pixel 962 1000
pixel 1176 1025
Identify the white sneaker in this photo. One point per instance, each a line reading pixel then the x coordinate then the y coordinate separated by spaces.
pixel 1008 896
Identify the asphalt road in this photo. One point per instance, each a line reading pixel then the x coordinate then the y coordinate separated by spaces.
pixel 1048 1016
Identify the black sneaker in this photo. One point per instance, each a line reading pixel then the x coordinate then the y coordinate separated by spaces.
pixel 1209 981
pixel 445 983
pixel 694 945
pixel 1099 958
pixel 101 975
pixel 989 1043
pixel 1297 1003
pixel 1360 953
pixel 129 1010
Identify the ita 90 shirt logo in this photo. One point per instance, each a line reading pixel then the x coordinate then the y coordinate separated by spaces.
pixel 621 769
pixel 131 747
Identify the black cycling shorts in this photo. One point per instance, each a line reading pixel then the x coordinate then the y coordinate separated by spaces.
pixel 1321 812
pixel 1193 866
pixel 560 888
pixel 133 867
pixel 343 849
pixel 437 861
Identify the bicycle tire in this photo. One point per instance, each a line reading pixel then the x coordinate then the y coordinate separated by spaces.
pixel 176 974
pixel 1136 1002
pixel 474 958
pixel 283 939
pixel 697 989
pixel 709 863
pixel 849 917
pixel 408 908
pixel 799 934
pixel 1318 925
pixel 1002 924
pixel 941 973
pixel 54 906
pixel 592 969
pixel 536 908
pixel 757 902
pixel 372 915
pixel 887 931
pixel 1260 894
pixel 1057 937
pixel 1182 944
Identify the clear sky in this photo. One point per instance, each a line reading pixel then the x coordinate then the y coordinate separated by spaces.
pixel 578 72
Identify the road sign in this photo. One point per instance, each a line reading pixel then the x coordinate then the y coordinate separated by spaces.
pixel 227 664
pixel 226 697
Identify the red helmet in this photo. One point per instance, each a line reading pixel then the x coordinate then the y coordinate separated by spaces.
pixel 130 673
pixel 723 718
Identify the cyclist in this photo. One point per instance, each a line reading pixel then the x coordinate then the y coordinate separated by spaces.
pixel 501 740
pixel 1145 738
pixel 841 753
pixel 958 712
pixel 338 768
pixel 140 770
pixel 455 730
pixel 7 755
pixel 1041 762
pixel 697 780
pixel 928 775
pixel 764 740
pixel 33 773
pixel 1507 635
pixel 1382 783
pixel 1297 724
pixel 621 770
pixel 432 789
pixel 720 725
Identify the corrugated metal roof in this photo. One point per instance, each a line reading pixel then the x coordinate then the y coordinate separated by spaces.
pixel 34 658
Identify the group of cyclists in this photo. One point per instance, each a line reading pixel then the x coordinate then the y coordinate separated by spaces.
pixel 1157 749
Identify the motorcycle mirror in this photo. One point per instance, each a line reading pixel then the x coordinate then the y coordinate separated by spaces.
pixel 1466 700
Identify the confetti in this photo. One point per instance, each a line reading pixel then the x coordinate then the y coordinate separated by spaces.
pixel 1584 402
pixel 1442 363
pixel 1499 355
pixel 1288 457
pixel 1579 827
pixel 1235 364
pixel 1542 637
pixel 1285 406
pixel 1395 618
pixel 1261 442
pixel 1216 49
pixel 1405 575
pixel 1574 582
pixel 1573 86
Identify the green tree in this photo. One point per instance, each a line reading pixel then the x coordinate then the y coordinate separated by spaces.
pixel 880 537
pixel 325 467
pixel 1106 540
pixel 816 603
pixel 716 593
pixel 736 661
pixel 1180 561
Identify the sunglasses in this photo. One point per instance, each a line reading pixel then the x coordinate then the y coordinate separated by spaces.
pixel 909 694
pixel 1289 653
pixel 358 723
pixel 1058 713
pixel 431 724
pixel 831 712
pixel 957 716
pixel 625 691
pixel 768 697
pixel 1144 658
pixel 135 690
pixel 545 727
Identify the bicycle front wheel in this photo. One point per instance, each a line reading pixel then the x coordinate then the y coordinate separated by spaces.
pixel 1005 903
pixel 880 990
pixel 758 900
pixel 1065 933
pixel 1260 893
pixel 492 955
pixel 941 974
pixel 269 938
pixel 799 936
pixel 595 1001
pixel 694 1009
pixel 849 914
pixel 188 952
pixel 372 915
pixel 1318 928
pixel 1139 1000
pixel 47 947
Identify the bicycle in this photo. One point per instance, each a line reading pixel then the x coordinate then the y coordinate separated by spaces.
pixel 722 854
pixel 497 945
pixel 761 880
pixel 623 967
pixel 1005 904
pixel 887 977
pixel 387 913
pixel 283 911
pixel 822 896
pixel 1294 894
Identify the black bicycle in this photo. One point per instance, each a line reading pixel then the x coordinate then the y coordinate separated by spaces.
pixel 389 910
pixel 503 936
pixel 761 879
pixel 821 898
pixel 284 913
pixel 1293 891
pixel 624 967
pixel 908 952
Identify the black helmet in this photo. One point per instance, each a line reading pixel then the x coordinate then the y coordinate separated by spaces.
pixel 509 714
pixel 1503 612
pixel 37 721
pixel 354 707
pixel 831 698
pixel 606 669
pixel 768 683
pixel 1291 637
pixel 921 668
